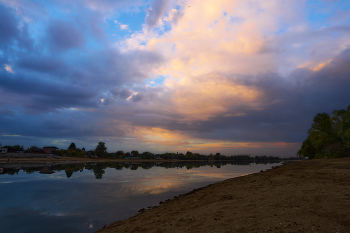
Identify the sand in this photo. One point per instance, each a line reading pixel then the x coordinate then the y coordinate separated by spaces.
pixel 302 196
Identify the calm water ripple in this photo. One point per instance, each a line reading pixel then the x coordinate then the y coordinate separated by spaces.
pixel 85 197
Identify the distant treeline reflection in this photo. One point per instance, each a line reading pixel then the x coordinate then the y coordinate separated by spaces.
pixel 99 168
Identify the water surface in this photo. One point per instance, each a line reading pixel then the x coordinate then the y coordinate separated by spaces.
pixel 85 197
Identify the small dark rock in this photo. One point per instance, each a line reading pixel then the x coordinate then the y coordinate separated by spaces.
pixel 142 210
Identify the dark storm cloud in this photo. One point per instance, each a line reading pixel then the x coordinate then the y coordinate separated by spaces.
pixel 155 12
pixel 112 68
pixel 138 97
pixel 38 95
pixel 60 86
pixel 64 35
pixel 43 64
pixel 123 93
pixel 288 104
pixel 10 33
pixel 8 25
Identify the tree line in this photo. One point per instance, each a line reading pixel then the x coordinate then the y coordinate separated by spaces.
pixel 329 136
pixel 101 152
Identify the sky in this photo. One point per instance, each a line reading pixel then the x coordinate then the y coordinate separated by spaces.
pixel 227 76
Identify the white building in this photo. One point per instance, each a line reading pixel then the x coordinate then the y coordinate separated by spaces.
pixel 3 150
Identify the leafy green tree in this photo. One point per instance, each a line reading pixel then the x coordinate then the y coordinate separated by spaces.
pixel 101 149
pixel 81 153
pixel 120 152
pixel 147 155
pixel 17 148
pixel 329 136
pixel 83 149
pixel 307 149
pixel 344 132
pixel 33 148
pixel 135 153
pixel 60 152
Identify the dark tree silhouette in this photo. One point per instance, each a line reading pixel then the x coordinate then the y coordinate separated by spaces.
pixel 101 149
pixel 72 146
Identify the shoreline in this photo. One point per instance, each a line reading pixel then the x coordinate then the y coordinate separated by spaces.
pixel 300 196
pixel 66 160
pixel 70 160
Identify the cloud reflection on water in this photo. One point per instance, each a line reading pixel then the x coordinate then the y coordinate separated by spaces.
pixel 85 204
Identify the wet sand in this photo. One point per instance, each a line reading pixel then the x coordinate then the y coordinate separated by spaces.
pixel 302 196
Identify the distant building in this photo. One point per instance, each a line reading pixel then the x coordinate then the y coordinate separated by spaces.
pixel 10 150
pixel 50 149
pixel 3 150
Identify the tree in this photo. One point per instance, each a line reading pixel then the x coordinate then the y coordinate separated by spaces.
pixel 329 136
pixel 72 146
pixel 119 154
pixel 33 148
pixel 134 153
pixel 83 149
pixel 18 148
pixel 147 155
pixel 60 152
pixel 101 149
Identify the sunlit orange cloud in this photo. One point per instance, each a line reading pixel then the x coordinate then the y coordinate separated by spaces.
pixel 203 97
pixel 158 138
pixel 315 66
pixel 161 137
pixel 214 39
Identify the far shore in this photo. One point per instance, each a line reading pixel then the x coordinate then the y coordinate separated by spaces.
pixel 301 196
pixel 59 159
pixel 71 160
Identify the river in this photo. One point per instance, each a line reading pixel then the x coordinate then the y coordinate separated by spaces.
pixel 85 197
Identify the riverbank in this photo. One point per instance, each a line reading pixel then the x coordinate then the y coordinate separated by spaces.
pixel 70 160
pixel 47 160
pixel 302 196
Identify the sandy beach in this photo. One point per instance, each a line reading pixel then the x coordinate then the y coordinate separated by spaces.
pixel 302 196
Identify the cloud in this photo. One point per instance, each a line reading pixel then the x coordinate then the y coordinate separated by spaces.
pixel 64 35
pixel 218 74
pixel 43 64
pixel 9 69
pixel 123 93
pixel 8 25
pixel 12 31
pixel 138 97
pixel 154 13
pixel 123 26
